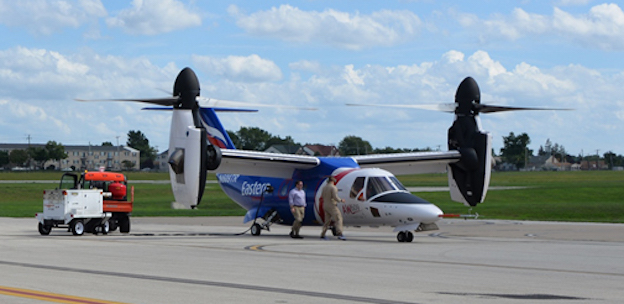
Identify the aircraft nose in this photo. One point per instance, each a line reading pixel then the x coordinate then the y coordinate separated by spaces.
pixel 430 213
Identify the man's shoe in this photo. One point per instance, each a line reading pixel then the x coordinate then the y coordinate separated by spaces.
pixel 296 236
pixel 342 238
pixel 324 238
pixel 291 235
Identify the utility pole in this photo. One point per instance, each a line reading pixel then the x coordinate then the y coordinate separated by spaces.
pixel 117 156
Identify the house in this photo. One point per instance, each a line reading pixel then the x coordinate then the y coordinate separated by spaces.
pixel 594 165
pixel 284 149
pixel 552 163
pixel 88 157
pixel 318 150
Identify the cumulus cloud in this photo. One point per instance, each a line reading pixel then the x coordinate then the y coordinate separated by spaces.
pixel 239 68
pixel 44 18
pixel 152 17
pixel 39 86
pixel 601 27
pixel 339 29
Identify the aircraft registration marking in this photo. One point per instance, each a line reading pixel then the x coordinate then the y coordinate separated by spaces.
pixel 228 178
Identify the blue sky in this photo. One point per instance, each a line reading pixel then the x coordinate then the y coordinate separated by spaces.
pixel 563 53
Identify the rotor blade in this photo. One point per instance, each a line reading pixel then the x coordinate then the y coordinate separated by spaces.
pixel 483 108
pixel 443 107
pixel 218 103
pixel 168 101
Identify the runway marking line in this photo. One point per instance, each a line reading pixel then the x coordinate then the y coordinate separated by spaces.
pixel 50 297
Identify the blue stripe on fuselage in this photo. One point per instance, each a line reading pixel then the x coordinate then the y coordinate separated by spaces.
pixel 249 191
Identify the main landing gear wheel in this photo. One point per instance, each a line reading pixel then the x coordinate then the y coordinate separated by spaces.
pixel 44 229
pixel 405 236
pixel 77 227
pixel 255 229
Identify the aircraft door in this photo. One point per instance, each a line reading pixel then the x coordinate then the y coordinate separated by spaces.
pixel 355 208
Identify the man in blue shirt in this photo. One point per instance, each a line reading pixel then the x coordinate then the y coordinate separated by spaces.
pixel 297 202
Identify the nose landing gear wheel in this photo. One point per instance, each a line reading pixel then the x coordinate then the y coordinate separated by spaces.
pixel 405 236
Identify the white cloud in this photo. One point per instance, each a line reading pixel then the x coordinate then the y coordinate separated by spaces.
pixel 602 27
pixel 453 56
pixel 572 2
pixel 339 29
pixel 42 17
pixel 247 69
pixel 305 65
pixel 40 85
pixel 152 17
pixel 351 76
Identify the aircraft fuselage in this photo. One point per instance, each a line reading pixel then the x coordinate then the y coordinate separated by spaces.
pixel 373 197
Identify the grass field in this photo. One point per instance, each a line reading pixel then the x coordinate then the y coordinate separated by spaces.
pixel 588 196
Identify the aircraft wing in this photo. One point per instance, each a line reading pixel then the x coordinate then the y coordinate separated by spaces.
pixel 263 163
pixel 409 163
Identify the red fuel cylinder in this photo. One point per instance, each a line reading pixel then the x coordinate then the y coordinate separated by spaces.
pixel 118 190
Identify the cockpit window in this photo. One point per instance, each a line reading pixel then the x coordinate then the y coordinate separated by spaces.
pixel 397 183
pixel 358 184
pixel 378 184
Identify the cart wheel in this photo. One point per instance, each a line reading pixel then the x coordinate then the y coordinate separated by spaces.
pixel 255 229
pixel 44 229
pixel 106 227
pixel 124 224
pixel 77 227
pixel 112 223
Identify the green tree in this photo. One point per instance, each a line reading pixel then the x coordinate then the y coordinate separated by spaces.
pixel 56 151
pixel 107 144
pixel 515 149
pixel 39 155
pixel 276 140
pixel 137 140
pixel 353 145
pixel 234 138
pixel 18 157
pixel 253 138
pixel 127 165
pixel 613 160
pixel 4 158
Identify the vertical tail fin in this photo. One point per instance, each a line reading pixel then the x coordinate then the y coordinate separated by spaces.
pixel 216 133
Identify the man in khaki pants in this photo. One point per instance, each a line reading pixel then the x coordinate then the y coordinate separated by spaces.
pixel 330 206
pixel 296 199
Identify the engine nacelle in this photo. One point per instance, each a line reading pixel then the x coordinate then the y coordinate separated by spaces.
pixel 469 178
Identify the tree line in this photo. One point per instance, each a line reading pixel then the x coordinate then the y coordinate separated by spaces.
pixel 38 155
pixel 515 149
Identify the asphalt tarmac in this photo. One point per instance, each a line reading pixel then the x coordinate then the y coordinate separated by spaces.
pixel 205 260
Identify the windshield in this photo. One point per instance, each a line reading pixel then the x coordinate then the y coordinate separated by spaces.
pixel 378 184
pixel 397 183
